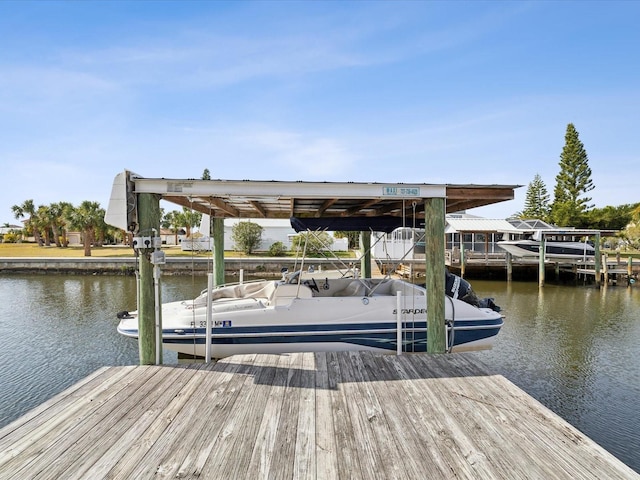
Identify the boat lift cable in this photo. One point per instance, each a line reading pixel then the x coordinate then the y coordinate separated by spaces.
pixel 327 247
pixel 397 263
pixel 334 257
pixel 413 307
pixel 210 237
pixel 193 281
pixel 304 253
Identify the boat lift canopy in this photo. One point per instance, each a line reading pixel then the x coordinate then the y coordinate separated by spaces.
pixel 286 199
pixel 304 200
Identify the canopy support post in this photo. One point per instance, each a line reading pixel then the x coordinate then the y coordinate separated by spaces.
pixel 434 209
pixel 365 260
pixel 217 228
pixel 149 218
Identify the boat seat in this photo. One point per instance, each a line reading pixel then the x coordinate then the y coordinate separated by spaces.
pixel 355 289
pixel 391 287
pixel 265 291
pixel 285 293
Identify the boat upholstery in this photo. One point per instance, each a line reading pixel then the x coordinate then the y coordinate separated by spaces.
pixel 391 287
pixel 285 293
pixel 355 288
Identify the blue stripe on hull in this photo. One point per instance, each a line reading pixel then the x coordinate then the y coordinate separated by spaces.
pixel 412 341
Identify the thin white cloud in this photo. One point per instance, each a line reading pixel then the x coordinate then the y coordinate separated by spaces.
pixel 306 156
pixel 196 57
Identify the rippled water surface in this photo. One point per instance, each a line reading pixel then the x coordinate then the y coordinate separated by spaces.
pixel 575 349
pixel 57 329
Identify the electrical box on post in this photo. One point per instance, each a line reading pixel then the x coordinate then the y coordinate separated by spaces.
pixel 142 242
pixel 158 258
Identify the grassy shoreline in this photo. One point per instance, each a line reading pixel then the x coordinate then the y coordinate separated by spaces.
pixel 21 250
pixel 31 250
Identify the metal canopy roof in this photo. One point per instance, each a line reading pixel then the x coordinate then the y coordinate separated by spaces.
pixel 279 199
pixel 465 225
pixel 285 199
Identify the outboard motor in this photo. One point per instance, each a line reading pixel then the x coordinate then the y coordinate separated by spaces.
pixel 457 287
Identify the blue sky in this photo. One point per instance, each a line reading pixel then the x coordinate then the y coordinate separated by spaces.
pixel 427 92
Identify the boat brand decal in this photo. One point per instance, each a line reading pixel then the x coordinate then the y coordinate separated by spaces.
pixel 456 286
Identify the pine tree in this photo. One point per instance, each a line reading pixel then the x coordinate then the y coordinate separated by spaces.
pixel 536 204
pixel 573 180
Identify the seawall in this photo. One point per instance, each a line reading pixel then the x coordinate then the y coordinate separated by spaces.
pixel 128 265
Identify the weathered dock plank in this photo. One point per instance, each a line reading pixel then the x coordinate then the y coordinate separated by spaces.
pixel 325 440
pixel 181 424
pixel 301 416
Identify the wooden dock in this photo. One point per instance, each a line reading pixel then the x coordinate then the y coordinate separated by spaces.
pixel 326 416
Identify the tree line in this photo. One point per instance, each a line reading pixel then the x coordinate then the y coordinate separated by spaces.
pixel 571 206
pixel 49 225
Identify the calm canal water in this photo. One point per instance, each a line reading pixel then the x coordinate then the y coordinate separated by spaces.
pixel 575 349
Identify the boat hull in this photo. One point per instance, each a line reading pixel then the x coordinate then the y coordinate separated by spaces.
pixel 554 250
pixel 307 325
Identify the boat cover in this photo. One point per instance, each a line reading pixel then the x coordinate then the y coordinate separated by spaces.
pixel 386 224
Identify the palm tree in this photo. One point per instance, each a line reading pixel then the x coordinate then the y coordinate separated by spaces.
pixel 189 219
pixel 21 211
pixel 101 228
pixel 65 210
pixel 55 215
pixel 173 221
pixel 44 220
pixel 87 218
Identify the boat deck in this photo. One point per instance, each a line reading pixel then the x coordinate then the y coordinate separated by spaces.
pixel 326 415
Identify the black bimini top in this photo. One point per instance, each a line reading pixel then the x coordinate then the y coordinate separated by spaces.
pixel 386 224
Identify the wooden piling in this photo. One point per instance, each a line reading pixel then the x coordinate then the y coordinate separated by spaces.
pixel 541 259
pixel 149 218
pixel 434 209
pixel 598 259
pixel 365 260
pixel 217 228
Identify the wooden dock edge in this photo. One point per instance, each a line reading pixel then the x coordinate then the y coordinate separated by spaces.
pixel 322 415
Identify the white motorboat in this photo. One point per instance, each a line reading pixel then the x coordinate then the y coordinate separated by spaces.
pixel 559 245
pixel 302 313
pixel 553 250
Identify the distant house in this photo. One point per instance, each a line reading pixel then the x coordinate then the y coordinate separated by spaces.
pixel 475 234
pixel 274 230
pixel 10 228
pixel 169 237
pixel 74 238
